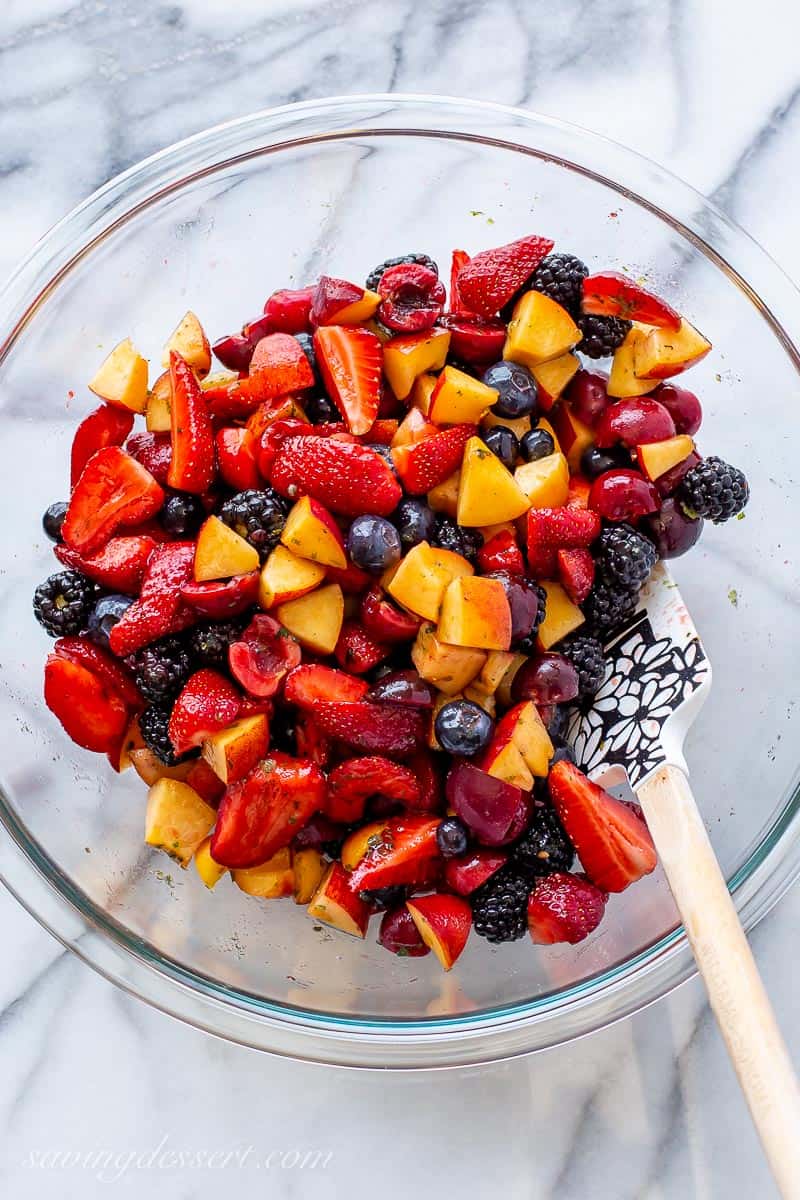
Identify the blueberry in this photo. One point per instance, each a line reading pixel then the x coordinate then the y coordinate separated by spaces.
pixel 463 728
pixel 385 897
pixel 504 443
pixel 596 462
pixel 104 617
pixel 563 753
pixel 53 519
pixel 182 513
pixel 319 409
pixel 536 444
pixel 306 341
pixel 449 535
pixel 373 544
pixel 451 837
pixel 518 395
pixel 415 521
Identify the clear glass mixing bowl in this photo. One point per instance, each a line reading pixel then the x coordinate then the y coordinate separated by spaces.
pixel 216 223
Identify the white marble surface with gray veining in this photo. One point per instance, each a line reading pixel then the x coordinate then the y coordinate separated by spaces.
pixel 646 1110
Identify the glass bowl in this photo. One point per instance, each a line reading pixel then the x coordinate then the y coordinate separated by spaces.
pixel 216 223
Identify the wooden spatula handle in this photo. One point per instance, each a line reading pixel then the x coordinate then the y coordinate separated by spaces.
pixel 728 968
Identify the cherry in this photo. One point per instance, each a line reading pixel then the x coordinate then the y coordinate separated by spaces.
pixel 288 310
pixel 495 811
pixel 412 297
pixel 623 496
pixel 547 679
pixel 474 340
pixel 523 600
pixel 672 530
pixel 399 934
pixel 682 405
pixel 402 687
pixel 634 422
pixel 587 396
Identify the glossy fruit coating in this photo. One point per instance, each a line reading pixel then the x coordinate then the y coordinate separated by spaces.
pixel 373 544
pixel 516 387
pixel 463 728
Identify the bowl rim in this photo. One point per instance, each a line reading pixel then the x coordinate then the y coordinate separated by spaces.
pixel 102 942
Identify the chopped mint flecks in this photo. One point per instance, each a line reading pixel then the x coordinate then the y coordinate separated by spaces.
pixel 733 596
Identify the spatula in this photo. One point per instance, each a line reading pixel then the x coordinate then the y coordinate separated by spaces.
pixel 656 683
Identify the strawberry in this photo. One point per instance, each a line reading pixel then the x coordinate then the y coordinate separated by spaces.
pixel 263 812
pixel 384 620
pixel 428 774
pixel 351 579
pixel 113 490
pixel 352 783
pixel 309 684
pixel 205 782
pixel 403 853
pixel 374 728
pixel 119 566
pixel 422 465
pixel 357 651
pixel 153 451
pixel 609 294
pixel 564 908
pixel 311 742
pixel 553 529
pixel 154 614
pixel 347 478
pixel 350 361
pixel 458 261
pixel 289 310
pixel 502 553
pixel 263 656
pixel 208 703
pixel 222 598
pixel 278 367
pixel 106 426
pixel 382 432
pixel 492 277
pixel 576 572
pixel 275 434
pixel 579 489
pixel 285 408
pixel 236 456
pixel 110 673
pixel 193 464
pixel 613 843
pixel 467 872
pixel 92 714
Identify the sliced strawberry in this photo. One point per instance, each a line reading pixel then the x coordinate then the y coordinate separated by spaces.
pixel 502 553
pixel 262 813
pixel 309 684
pixel 345 477
pixel 350 361
pixel 423 465
pixel 311 742
pixel 459 260
pixel 208 703
pixel 553 529
pixel 564 908
pixel 119 566
pixel 108 670
pixel 401 854
pixel 222 598
pixel 351 579
pixel 193 464
pixel 492 277
pixel 262 658
pixel 113 490
pixel 473 339
pixel 357 651
pixel 374 728
pixel 285 408
pixel 153 451
pixel 92 714
pixel 352 783
pixel 154 614
pixel 579 489
pixel 108 425
pixel 613 843
pixel 236 455
pixel 384 620
pixel 428 774
pixel 289 310
pixel 382 432
pixel 275 435
pixel 278 367
pixel 576 572
pixel 609 294
pixel 467 872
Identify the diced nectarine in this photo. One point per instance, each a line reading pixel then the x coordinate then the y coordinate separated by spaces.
pixel 664 352
pixel 539 330
pixel 358 312
pixel 443 922
pixel 656 458
pixel 269 880
pixel 484 701
pixel 209 871
pixel 221 552
pixel 574 436
pixel 444 497
pixel 149 767
pixel 492 671
pixel 309 867
pixel 449 668
pixel 545 482
pixel 337 903
pixel 422 391
pixel 406 358
pixel 561 615
pixel 504 687
pixel 475 612
pixel 285 577
pixel 488 492
pixel 189 339
pixel 177 819
pixel 234 751
pixel 159 406
pixel 315 619
pixel 622 382
pixel 459 398
pixel 532 739
pixel 519 426
pixel 553 376
pixel 422 576
pixel 122 378
pixel 503 760
pixel 311 532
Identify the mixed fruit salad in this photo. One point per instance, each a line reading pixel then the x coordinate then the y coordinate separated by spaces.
pixel 335 603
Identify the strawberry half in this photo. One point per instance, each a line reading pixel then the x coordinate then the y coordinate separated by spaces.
pixel 262 813
pixel 154 614
pixel 612 841
pixel 208 703
pixel 554 529
pixel 564 908
pixel 352 783
pixel 92 714
pixel 609 294
pixel 109 672
pixel 263 656
pixel 428 774
pixel 236 456
pixel 490 279
pixel 194 459
pixel 402 853
pixel 357 651
pixel 153 451
pixel 310 741
pixel 346 477
pixel 350 361
pixel 309 684
pixel 374 728
pixel 576 571
pixel 119 566
pixel 502 553
pixel 113 490
pixel 108 425
pixel 422 465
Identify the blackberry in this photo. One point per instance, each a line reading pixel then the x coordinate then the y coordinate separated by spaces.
pixel 161 669
pixel 448 535
pixel 62 603
pixel 256 515
pixel 561 276
pixel 607 608
pixel 53 519
pixel 624 557
pixel 527 645
pixel 587 657
pixel 154 726
pixel 715 490
pixel 544 847
pixel 374 277
pixel 209 642
pixel 385 897
pixel 601 335
pixel 500 906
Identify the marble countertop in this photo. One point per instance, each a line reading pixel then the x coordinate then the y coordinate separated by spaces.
pixel 648 1109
